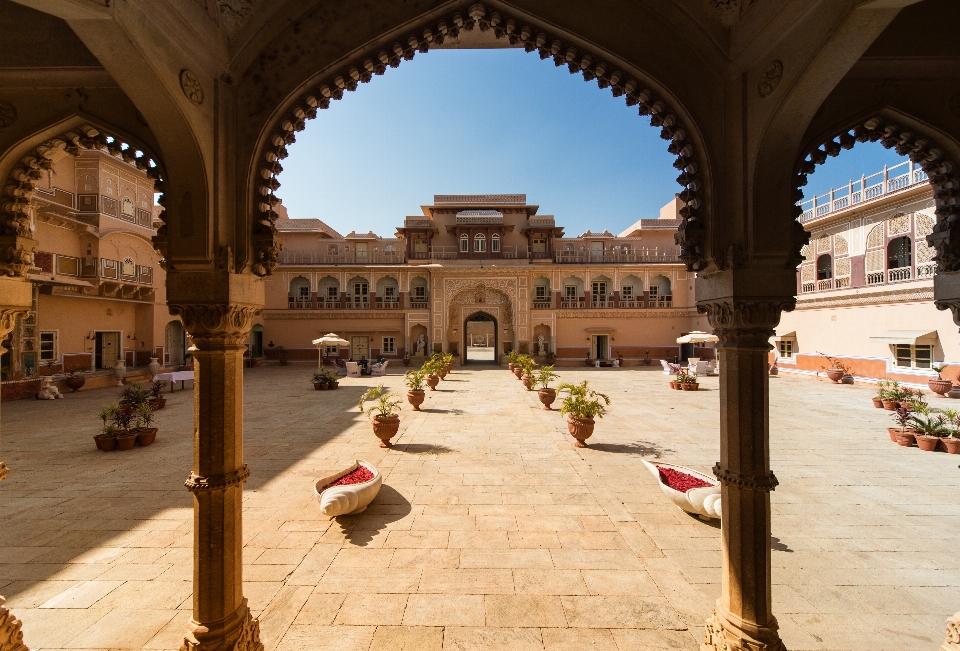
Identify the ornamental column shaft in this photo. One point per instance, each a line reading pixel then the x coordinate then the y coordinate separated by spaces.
pixel 16 294
pixel 221 618
pixel 743 619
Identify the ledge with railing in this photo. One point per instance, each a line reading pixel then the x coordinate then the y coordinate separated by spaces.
pixel 347 257
pixel 871 278
pixel 867 188
pixel 602 302
pixel 653 255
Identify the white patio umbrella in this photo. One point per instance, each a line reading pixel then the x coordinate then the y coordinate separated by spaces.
pixel 329 339
pixel 697 337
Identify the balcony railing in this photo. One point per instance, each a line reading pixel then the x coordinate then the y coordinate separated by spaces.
pixel 661 301
pixel 666 255
pixel 631 303
pixel 299 303
pixel 388 303
pixel 926 270
pixel 542 304
pixel 358 303
pixel 868 188
pixel 347 257
pixel 899 274
pixel 601 301
pixel 571 303
pixel 328 303
pixel 418 305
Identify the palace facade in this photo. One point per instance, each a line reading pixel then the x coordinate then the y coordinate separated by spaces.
pixel 488 259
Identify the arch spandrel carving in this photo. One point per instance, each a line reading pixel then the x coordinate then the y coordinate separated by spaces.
pixel 493 292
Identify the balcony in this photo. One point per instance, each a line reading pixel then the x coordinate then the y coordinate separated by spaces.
pixel 572 303
pixel 299 303
pixel 601 301
pixel 542 304
pixel 358 303
pixel 868 188
pixel 388 303
pixel 418 304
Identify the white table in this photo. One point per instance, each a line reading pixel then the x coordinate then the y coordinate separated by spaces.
pixel 174 376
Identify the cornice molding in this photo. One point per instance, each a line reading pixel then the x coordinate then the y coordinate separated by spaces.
pixel 306 315
pixel 626 314
pixel 911 295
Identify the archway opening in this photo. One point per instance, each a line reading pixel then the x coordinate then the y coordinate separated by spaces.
pixel 480 341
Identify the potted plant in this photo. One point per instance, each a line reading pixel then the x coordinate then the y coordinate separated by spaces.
pixel 448 363
pixel 75 380
pixel 415 381
pixel 406 358
pixel 952 441
pixel 542 380
pixel 123 418
pixel 836 370
pixel 646 358
pixel 332 380
pixel 157 401
pixel 385 421
pixel 929 429
pixel 320 381
pixel 882 389
pixel 143 418
pixel 527 374
pixel 890 395
pixel 939 386
pixel 518 366
pixel 687 380
pixel 433 377
pixel 905 435
pixel 913 399
pixel 106 440
pixel 581 406
pixel 512 359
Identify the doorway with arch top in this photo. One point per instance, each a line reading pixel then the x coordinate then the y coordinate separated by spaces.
pixel 480 341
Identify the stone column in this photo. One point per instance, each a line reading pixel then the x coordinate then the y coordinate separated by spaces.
pixel 221 618
pixel 18 294
pixel 743 619
pixel 952 643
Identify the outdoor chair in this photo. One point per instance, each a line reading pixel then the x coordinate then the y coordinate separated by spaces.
pixel 379 369
pixel 668 368
pixel 353 369
pixel 341 367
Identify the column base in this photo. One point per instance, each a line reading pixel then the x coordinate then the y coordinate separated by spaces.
pixel 11 637
pixel 238 632
pixel 952 643
pixel 722 634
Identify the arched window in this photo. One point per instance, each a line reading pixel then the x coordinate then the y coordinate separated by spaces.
pixel 495 243
pixel 464 243
pixel 824 267
pixel 480 243
pixel 299 296
pixel 899 253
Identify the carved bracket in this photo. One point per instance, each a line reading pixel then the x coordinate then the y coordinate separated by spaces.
pixel 196 484
pixel 208 322
pixel 11 633
pixel 766 482
pixel 746 323
pixel 691 235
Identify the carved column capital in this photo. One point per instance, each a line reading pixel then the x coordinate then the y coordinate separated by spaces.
pixel 8 319
pixel 223 323
pixel 745 322
pixel 726 632
pixel 952 643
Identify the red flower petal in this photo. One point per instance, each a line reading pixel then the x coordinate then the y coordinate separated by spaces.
pixel 358 476
pixel 680 481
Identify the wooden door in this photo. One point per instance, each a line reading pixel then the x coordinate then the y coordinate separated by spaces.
pixel 109 349
pixel 359 348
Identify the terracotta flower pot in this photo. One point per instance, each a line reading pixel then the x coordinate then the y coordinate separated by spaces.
pixel 547 396
pixel 510 366
pixel 952 444
pixel 580 429
pixel 647 362
pixel 448 367
pixel 834 374
pixel 406 361
pixel 878 403
pixel 927 443
pixel 938 386
pixel 385 427
pixel 317 386
pixel 334 385
pixel 77 381
pixel 433 381
pixel 158 403
pixel 691 386
pixel 518 371
pixel 890 405
pixel 416 397
pixel 109 443
pixel 443 373
pixel 126 442
pixel 895 431
pixel 146 436
pixel 906 439
pixel 774 370
pixel 674 385
pixel 527 382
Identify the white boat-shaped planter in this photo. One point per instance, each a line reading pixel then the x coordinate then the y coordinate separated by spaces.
pixel 704 502
pixel 349 499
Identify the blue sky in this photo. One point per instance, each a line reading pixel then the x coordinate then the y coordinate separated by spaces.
pixel 492 121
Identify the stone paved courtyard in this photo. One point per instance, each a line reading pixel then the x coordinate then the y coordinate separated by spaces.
pixel 491 531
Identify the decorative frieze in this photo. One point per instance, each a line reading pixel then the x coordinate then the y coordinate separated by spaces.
pixel 307 315
pixel 867 297
pixel 11 633
pixel 196 484
pixel 216 321
pixel 626 314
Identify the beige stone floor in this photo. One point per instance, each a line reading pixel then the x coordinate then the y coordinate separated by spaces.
pixel 491 530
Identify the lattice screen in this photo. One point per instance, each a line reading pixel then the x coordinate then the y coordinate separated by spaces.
pixel 823 244
pixel 898 225
pixel 842 267
pixel 840 246
pixel 873 261
pixel 875 237
pixel 807 252
pixel 807 272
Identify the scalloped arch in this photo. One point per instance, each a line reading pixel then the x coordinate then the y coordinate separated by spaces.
pixel 681 133
pixel 922 150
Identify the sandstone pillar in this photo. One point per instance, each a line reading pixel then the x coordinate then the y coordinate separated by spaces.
pixel 952 643
pixel 16 297
pixel 743 619
pixel 221 618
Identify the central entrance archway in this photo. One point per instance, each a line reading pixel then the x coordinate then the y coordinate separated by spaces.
pixel 480 343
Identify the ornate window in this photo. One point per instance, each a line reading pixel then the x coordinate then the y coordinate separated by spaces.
pixel 899 253
pixel 389 345
pixel 824 267
pixel 923 226
pixel 918 356
pixel 480 243
pixel 495 243
pixel 464 243
pixel 128 269
pixel 127 207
